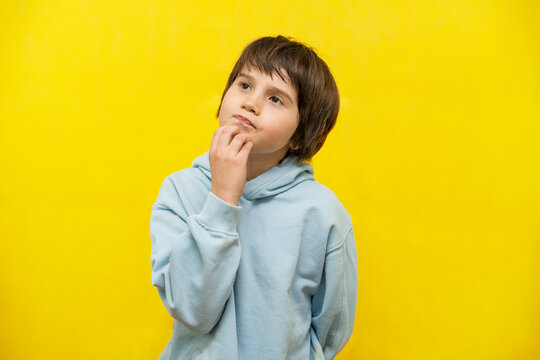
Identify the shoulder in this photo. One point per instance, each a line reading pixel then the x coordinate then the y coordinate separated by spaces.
pixel 326 213
pixel 177 181
pixel 184 189
pixel 187 177
pixel 198 175
pixel 321 197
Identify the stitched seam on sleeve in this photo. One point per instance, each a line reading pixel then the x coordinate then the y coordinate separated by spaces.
pixel 212 230
pixel 339 332
pixel 341 243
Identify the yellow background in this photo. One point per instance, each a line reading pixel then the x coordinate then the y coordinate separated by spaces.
pixel 436 155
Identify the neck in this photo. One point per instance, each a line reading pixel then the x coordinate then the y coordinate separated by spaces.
pixel 258 164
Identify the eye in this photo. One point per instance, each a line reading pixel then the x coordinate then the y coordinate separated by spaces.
pixel 242 85
pixel 275 97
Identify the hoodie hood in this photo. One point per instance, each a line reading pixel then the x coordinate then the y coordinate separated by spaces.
pixel 275 180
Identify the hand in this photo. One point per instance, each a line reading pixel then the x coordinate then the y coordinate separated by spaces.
pixel 228 156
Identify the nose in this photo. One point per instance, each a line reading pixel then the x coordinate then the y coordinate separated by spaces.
pixel 251 104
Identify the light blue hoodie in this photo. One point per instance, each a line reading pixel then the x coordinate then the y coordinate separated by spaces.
pixel 272 278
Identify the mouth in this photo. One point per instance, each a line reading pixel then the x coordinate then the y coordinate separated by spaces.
pixel 243 120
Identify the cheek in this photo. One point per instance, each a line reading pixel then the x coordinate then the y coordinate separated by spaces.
pixel 225 103
pixel 283 132
pixel 223 110
pixel 292 125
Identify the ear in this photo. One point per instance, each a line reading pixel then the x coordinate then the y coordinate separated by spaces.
pixel 293 146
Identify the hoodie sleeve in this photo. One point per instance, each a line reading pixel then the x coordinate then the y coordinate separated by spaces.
pixel 334 304
pixel 194 258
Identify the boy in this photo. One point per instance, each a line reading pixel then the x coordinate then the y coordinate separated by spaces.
pixel 251 256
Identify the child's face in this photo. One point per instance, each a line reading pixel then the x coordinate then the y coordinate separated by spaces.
pixel 272 116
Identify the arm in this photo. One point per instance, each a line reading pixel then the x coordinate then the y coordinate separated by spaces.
pixel 334 304
pixel 194 259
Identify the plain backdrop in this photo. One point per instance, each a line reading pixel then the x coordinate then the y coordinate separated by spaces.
pixel 435 155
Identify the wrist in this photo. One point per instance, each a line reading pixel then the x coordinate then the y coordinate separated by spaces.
pixel 227 197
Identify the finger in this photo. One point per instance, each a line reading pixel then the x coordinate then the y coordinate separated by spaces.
pixel 221 137
pixel 237 142
pixel 244 151
pixel 229 133
pixel 213 143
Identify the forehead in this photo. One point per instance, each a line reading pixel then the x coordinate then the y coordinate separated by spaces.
pixel 273 81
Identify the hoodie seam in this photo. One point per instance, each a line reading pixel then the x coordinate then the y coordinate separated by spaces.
pixel 213 230
pixel 207 172
pixel 265 185
pixel 349 229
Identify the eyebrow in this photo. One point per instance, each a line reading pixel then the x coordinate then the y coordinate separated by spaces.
pixel 273 88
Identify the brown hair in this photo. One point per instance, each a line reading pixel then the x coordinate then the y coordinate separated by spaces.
pixel 318 97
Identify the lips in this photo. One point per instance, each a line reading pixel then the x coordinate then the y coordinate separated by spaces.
pixel 243 120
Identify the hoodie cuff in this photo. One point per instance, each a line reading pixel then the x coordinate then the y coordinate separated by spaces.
pixel 219 215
